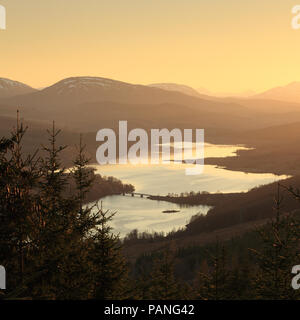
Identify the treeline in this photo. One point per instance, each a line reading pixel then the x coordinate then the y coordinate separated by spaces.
pixel 192 198
pixel 231 209
pixel 105 186
pixel 136 237
pixel 257 265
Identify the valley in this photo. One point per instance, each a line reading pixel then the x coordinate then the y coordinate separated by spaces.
pixel 268 128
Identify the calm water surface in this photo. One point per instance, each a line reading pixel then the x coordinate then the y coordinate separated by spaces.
pixel 147 215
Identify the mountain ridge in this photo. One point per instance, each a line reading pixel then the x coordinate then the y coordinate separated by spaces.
pixel 177 87
pixel 10 88
pixel 288 93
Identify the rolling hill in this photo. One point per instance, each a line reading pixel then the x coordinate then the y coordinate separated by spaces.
pixel 10 88
pixel 177 87
pixel 290 93
pixel 77 90
pixel 83 102
pixel 87 104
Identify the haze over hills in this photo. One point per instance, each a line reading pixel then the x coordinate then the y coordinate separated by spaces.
pixel 177 87
pixel 244 94
pixel 87 104
pixel 83 102
pixel 90 89
pixel 290 93
pixel 10 88
pixel 200 92
pixel 257 104
pixel 276 149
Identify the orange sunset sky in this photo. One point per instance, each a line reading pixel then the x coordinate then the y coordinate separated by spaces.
pixel 221 45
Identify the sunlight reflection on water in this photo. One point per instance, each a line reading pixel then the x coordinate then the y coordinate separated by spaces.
pixel 161 179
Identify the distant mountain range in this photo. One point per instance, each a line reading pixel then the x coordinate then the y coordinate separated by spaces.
pixel 177 87
pixel 200 92
pixel 85 103
pixel 89 103
pixel 95 88
pixel 77 90
pixel 245 94
pixel 290 93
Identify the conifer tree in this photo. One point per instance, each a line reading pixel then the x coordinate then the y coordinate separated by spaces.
pixel 56 245
pixel 164 285
pixel 142 283
pixel 279 253
pixel 84 178
pixel 239 285
pixel 19 176
pixel 212 284
pixel 85 223
pixel 110 268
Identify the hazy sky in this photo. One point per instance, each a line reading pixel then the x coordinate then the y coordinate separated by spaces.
pixel 222 45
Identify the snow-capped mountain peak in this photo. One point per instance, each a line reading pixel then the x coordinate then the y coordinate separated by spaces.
pixel 69 85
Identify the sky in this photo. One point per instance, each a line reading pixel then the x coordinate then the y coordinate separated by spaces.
pixel 221 45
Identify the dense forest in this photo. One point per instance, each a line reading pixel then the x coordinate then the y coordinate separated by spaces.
pixel 232 209
pixel 55 247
